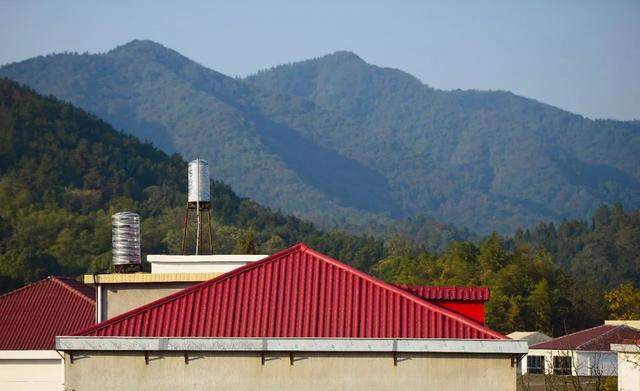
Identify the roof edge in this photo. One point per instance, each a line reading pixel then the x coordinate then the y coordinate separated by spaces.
pixel 400 345
pixel 615 327
pixel 565 336
pixel 483 291
pixel 57 279
pixel 60 280
pixel 410 296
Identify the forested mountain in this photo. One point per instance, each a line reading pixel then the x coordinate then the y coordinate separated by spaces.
pixel 486 159
pixel 346 143
pixel 251 138
pixel 64 172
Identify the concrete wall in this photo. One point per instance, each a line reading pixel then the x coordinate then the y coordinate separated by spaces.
pixel 628 371
pixel 310 371
pixel 120 298
pixel 199 263
pixel 33 374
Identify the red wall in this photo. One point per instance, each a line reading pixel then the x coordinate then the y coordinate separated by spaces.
pixel 471 309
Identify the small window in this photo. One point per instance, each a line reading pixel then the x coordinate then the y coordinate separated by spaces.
pixel 535 364
pixel 562 365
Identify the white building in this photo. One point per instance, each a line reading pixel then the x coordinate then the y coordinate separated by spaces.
pixel 584 353
pixel 628 366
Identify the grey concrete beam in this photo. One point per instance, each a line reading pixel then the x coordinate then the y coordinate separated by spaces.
pixel 292 345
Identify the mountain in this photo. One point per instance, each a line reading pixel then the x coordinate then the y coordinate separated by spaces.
pixel 64 172
pixel 251 138
pixel 345 143
pixel 487 159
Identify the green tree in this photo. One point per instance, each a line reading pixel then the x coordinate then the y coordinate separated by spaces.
pixel 246 244
pixel 540 303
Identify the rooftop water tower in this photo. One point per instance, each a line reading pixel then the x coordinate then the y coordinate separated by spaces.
pixel 125 241
pixel 198 200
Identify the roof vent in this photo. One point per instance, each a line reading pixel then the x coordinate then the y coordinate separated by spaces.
pixel 125 236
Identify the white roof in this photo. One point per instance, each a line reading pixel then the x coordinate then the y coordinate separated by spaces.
pixel 532 337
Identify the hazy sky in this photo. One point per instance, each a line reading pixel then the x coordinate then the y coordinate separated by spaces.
pixel 583 56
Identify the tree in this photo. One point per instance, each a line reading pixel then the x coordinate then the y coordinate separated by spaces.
pixel 246 244
pixel 624 302
pixel 539 301
pixel 402 270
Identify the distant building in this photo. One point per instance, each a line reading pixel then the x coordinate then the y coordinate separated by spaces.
pixel 296 320
pixel 584 353
pixel 532 338
pixel 30 318
pixel 628 365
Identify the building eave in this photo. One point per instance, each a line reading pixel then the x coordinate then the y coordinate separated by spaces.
pixel 625 348
pixel 146 278
pixel 82 343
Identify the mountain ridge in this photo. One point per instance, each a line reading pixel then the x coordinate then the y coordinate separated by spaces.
pixel 354 145
pixel 64 172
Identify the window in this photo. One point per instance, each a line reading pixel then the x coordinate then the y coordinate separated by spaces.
pixel 535 364
pixel 562 365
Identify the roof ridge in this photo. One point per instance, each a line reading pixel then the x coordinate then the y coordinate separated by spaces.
pixel 188 290
pixel 444 287
pixel 614 327
pixel 408 295
pixel 479 293
pixel 562 337
pixel 64 284
pixel 17 290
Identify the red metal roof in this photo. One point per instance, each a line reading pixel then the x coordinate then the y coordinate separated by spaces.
pixel 297 292
pixel 597 338
pixel 449 292
pixel 31 317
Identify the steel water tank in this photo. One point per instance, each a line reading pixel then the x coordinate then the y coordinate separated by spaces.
pixel 199 181
pixel 125 238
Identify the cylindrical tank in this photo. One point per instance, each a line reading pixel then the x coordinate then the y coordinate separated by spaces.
pixel 199 181
pixel 125 238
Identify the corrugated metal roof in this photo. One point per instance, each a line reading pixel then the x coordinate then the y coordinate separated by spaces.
pixel 449 292
pixel 597 338
pixel 31 317
pixel 295 293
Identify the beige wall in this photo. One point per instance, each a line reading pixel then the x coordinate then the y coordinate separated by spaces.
pixel 310 371
pixel 628 371
pixel 120 298
pixel 28 375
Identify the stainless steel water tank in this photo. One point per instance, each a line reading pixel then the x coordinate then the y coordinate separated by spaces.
pixel 125 238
